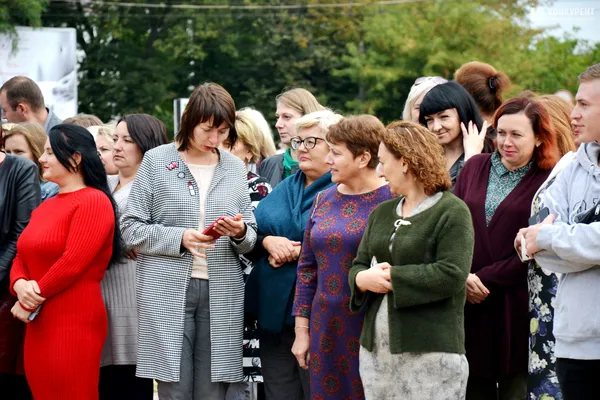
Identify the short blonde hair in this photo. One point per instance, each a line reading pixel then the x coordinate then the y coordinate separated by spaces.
pixel 106 131
pixel 83 120
pixel 590 74
pixel 300 100
pixel 416 90
pixel 35 136
pixel 249 116
pixel 249 125
pixel 421 151
pixel 323 119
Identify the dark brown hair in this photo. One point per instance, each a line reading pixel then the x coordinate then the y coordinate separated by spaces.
pixel 546 155
pixel 208 100
pixel 484 83
pixel 83 120
pixel 21 89
pixel 361 134
pixel 421 151
pixel 145 130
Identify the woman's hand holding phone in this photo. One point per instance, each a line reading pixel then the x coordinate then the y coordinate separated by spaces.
pixel 20 313
pixel 194 241
pixel 234 227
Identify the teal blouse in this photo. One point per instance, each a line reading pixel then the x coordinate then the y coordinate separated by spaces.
pixel 501 182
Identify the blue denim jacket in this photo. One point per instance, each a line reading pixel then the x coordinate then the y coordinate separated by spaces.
pixel 49 189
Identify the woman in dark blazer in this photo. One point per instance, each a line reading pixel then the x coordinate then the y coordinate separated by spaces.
pixel 498 188
pixel 20 194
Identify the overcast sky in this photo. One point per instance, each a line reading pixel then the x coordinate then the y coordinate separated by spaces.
pixel 567 14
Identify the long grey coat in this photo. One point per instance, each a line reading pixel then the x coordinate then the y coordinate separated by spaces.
pixel 164 203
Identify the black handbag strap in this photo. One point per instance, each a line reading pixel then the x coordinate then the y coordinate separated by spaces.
pixel 593 215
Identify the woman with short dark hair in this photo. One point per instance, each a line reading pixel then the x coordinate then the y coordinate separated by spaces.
pixel 189 217
pixel 61 259
pixel 450 112
pixel 134 136
pixel 339 216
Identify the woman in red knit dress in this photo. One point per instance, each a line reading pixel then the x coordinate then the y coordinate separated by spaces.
pixel 61 259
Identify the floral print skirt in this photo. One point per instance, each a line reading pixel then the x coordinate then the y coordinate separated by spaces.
pixel 542 383
pixel 410 376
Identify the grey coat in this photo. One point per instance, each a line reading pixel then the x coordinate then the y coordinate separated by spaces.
pixel 164 203
pixel 118 292
pixel 271 168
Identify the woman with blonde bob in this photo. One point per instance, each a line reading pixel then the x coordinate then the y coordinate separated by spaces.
pixel 409 275
pixel 265 145
pixel 103 135
pixel 281 220
pixel 28 139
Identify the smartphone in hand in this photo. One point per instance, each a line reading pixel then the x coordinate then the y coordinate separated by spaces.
pixel 540 216
pixel 211 231
pixel 35 313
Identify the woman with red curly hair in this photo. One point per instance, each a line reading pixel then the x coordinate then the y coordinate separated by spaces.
pixel 409 275
pixel 499 188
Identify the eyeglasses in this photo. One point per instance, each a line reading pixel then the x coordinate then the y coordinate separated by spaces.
pixel 309 143
pixel 434 79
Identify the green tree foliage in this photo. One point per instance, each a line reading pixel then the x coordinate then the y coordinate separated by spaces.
pixel 356 58
pixel 20 12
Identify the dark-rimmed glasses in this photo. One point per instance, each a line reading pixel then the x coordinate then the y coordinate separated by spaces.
pixel 309 143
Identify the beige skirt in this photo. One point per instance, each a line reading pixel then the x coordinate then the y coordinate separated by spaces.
pixel 410 376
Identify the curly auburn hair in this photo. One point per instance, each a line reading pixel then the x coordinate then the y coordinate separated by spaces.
pixel 421 151
pixel 546 155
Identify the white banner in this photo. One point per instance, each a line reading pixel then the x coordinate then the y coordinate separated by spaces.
pixel 48 56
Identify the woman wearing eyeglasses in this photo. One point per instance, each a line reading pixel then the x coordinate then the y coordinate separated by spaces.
pixel 291 105
pixel 281 218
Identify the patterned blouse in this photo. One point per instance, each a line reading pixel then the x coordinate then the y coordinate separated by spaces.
pixel 502 181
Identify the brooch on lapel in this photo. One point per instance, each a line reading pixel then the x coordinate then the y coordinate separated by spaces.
pixel 401 222
pixel 190 186
pixel 172 165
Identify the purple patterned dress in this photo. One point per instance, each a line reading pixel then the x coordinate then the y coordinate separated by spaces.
pixel 333 233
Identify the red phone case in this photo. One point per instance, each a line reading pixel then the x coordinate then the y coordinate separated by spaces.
pixel 210 231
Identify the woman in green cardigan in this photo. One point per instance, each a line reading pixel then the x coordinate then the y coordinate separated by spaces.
pixel 410 274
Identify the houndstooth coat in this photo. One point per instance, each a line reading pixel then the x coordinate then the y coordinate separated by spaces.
pixel 164 203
